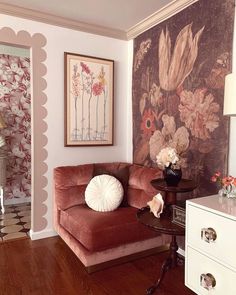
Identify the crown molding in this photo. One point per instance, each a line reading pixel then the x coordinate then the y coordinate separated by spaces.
pixel 164 13
pixel 60 21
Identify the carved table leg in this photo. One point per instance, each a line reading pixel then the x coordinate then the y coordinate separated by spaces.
pixel 170 198
pixel 170 262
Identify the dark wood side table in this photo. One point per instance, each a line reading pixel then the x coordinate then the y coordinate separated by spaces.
pixel 162 225
pixel 185 185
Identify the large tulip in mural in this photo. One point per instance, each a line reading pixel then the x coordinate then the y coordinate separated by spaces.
pixel 181 65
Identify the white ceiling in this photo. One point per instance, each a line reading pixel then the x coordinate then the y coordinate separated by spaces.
pixel 112 14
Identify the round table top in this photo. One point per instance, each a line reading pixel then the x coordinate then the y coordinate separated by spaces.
pixel 162 225
pixel 185 185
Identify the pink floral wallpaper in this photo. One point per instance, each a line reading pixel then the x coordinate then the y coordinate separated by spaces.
pixel 15 107
pixel 178 90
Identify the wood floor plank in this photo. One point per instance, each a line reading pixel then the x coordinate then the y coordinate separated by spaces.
pixel 49 267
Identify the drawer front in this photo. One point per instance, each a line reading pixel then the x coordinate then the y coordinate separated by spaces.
pixel 212 234
pixel 200 272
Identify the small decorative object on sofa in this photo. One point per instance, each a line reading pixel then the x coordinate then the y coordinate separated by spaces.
pixel 104 193
pixel 226 185
pixel 156 205
pixel 168 160
pixel 97 238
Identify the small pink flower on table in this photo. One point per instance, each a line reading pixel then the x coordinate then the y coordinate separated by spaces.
pixel 223 181
pixel 227 184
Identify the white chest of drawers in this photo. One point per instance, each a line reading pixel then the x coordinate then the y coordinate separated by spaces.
pixel 210 247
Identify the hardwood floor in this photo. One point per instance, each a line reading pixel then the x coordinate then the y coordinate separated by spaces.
pixel 48 266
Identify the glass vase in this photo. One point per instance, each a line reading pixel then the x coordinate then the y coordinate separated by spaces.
pixel 228 191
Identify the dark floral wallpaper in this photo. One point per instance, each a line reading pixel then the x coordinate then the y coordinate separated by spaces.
pixel 178 89
pixel 15 105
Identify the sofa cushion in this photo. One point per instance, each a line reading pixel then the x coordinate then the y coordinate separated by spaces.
pixel 104 193
pixel 103 230
pixel 70 184
pixel 119 171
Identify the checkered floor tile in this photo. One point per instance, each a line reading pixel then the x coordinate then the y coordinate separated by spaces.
pixel 15 222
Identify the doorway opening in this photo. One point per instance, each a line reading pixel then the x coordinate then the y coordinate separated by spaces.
pixel 39 167
pixel 15 142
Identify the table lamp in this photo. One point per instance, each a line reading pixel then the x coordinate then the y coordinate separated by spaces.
pixel 230 95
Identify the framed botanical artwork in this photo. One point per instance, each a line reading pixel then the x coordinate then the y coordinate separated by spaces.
pixel 89 92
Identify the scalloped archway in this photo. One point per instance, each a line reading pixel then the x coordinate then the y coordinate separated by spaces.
pixel 35 43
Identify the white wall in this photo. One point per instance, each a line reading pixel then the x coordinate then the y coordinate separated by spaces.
pixel 60 40
pixel 232 146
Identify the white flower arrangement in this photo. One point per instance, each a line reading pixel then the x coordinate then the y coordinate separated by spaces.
pixel 166 157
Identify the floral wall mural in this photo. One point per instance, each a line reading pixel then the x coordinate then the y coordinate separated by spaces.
pixel 15 104
pixel 178 88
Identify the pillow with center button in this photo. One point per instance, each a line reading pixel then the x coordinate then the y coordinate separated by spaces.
pixel 104 193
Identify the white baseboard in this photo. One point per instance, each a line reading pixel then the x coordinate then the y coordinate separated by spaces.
pixel 181 252
pixel 47 233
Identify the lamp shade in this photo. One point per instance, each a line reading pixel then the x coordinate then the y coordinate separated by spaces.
pixel 2 123
pixel 230 95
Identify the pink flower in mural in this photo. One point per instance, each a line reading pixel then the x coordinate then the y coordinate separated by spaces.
pixel 155 95
pixel 14 67
pixel 17 152
pixel 173 69
pixel 142 102
pixel 216 78
pixel 143 49
pixel 168 136
pixel 4 89
pixel 199 112
pixel 26 183
pixel 147 124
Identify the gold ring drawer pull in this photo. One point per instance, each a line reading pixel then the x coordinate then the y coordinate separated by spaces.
pixel 208 234
pixel 207 281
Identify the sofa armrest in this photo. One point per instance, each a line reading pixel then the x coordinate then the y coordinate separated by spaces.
pixel 140 190
pixel 70 184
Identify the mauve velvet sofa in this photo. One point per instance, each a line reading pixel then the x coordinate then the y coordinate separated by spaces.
pixel 99 237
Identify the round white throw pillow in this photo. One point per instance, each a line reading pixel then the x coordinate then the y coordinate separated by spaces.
pixel 104 193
